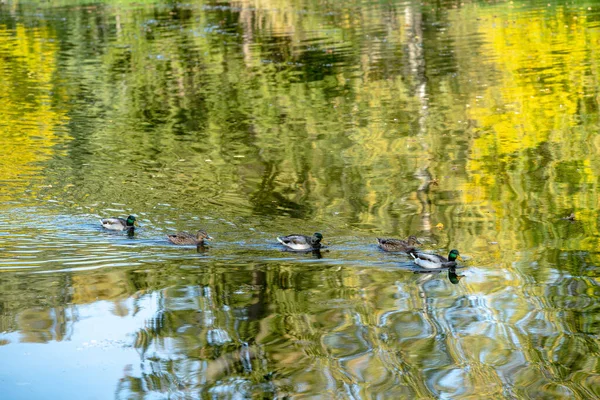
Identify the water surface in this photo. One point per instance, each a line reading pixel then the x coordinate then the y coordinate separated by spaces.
pixel 472 125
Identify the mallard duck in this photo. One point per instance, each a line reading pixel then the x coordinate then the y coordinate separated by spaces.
pixel 119 224
pixel 570 217
pixel 398 244
pixel 301 242
pixel 432 261
pixel 185 238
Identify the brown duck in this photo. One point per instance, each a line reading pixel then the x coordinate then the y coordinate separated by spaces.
pixel 185 238
pixel 398 244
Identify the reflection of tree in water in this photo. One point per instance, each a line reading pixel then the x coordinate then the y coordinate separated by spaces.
pixel 267 200
pixel 38 312
pixel 257 330
pixel 270 331
pixel 251 334
pixel 205 336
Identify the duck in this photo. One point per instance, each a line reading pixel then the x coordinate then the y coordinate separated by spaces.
pixel 432 261
pixel 301 242
pixel 185 238
pixel 570 217
pixel 119 224
pixel 398 244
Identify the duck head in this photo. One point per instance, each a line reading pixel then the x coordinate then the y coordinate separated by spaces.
pixel 130 220
pixel 453 255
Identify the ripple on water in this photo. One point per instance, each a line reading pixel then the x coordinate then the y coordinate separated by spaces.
pixel 36 240
pixel 58 243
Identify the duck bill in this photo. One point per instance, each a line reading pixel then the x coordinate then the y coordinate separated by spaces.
pixel 209 238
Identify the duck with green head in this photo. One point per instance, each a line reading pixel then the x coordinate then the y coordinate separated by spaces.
pixel 301 242
pixel 398 244
pixel 185 238
pixel 119 224
pixel 432 261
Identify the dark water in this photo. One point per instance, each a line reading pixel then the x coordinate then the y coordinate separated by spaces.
pixel 473 125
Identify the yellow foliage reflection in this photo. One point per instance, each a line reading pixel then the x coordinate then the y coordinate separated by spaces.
pixel 529 142
pixel 28 120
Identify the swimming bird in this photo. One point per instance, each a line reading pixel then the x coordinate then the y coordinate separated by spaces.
pixel 119 224
pixel 301 242
pixel 570 217
pixel 398 244
pixel 185 238
pixel 431 261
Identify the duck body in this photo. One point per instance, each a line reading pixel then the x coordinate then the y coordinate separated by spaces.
pixel 118 224
pixel 185 238
pixel 301 242
pixel 398 244
pixel 434 261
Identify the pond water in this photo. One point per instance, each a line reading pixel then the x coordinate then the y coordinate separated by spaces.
pixel 472 125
